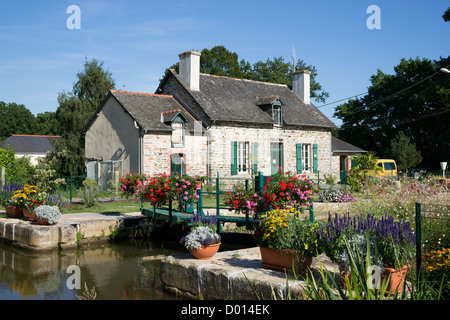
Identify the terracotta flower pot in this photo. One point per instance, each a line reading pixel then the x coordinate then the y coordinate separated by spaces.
pixel 27 215
pixel 205 252
pixel 284 261
pixel 42 221
pixel 14 212
pixel 396 279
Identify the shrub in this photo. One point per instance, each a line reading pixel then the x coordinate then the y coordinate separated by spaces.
pixel 89 192
pixel 49 213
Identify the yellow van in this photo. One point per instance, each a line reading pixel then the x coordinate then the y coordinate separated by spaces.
pixel 389 168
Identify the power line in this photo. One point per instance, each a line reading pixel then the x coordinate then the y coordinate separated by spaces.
pixel 324 105
pixel 365 107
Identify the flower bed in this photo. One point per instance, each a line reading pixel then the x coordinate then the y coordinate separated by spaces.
pixel 394 241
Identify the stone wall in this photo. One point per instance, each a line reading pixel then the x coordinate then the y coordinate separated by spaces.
pixel 222 136
pixel 157 151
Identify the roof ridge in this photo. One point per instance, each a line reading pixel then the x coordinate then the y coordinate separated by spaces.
pixel 142 93
pixel 34 135
pixel 248 80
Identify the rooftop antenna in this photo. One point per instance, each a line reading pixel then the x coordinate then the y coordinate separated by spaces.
pixel 293 58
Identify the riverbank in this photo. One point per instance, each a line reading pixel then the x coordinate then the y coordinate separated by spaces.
pixel 70 231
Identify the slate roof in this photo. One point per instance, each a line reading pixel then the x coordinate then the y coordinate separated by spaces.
pixel 231 99
pixel 338 145
pixel 30 143
pixel 146 109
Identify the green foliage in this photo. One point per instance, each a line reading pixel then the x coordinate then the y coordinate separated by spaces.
pixel 89 192
pixel 15 119
pixel 45 177
pixel 404 152
pixel 74 112
pixel 414 100
pixel 446 15
pixel 16 169
pixel 365 167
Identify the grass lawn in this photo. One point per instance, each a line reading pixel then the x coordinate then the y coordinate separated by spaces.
pixel 105 207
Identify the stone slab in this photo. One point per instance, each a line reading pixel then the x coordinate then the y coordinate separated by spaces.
pixel 231 275
pixel 31 235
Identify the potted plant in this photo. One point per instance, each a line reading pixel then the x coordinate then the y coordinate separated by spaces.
pixel 391 243
pixel 47 215
pixel 202 241
pixel 12 207
pixel 21 196
pixel 33 201
pixel 286 241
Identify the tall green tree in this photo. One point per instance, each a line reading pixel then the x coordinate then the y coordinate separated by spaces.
pixel 74 111
pixel 446 15
pixel 46 123
pixel 415 100
pixel 220 61
pixel 15 119
pixel 404 152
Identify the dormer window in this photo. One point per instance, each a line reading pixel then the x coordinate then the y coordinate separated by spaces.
pixel 277 115
pixel 177 121
pixel 178 134
pixel 274 107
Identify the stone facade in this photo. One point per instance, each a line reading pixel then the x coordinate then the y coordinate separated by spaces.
pixel 222 136
pixel 157 152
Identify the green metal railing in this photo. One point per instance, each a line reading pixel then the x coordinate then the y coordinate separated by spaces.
pixel 432 229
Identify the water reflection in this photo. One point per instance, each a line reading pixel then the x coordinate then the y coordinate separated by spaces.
pixel 117 271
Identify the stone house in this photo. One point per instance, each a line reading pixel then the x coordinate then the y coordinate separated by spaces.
pixel 199 123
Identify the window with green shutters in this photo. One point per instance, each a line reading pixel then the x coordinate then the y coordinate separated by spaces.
pixel 241 157
pixel 307 158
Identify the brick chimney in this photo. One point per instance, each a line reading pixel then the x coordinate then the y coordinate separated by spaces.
pixel 301 85
pixel 190 69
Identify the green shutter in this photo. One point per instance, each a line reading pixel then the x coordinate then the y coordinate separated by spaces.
pixel 234 155
pixel 315 159
pixel 299 158
pixel 255 158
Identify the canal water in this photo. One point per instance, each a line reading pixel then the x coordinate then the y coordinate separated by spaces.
pixel 111 271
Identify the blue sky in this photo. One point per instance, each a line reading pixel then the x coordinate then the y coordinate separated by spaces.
pixel 138 40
